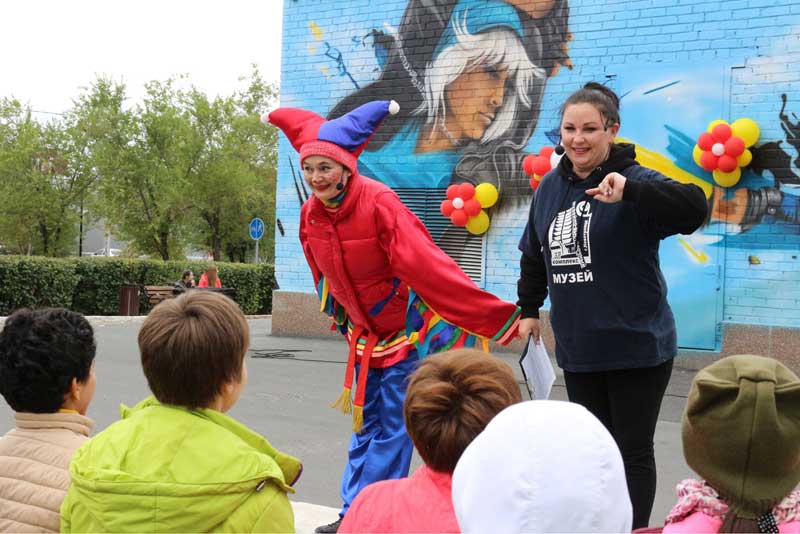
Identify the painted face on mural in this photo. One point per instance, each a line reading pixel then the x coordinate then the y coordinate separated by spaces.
pixel 535 8
pixel 323 174
pixel 479 93
pixel 586 141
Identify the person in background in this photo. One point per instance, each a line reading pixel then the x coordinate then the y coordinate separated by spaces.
pixel 542 466
pixel 741 434
pixel 450 399
pixel 175 462
pixel 210 278
pixel 186 281
pixel 592 242
pixel 47 377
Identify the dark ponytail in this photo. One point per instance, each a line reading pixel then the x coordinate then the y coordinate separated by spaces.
pixel 734 523
pixel 604 99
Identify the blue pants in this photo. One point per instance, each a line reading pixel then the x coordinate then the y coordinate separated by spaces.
pixel 383 449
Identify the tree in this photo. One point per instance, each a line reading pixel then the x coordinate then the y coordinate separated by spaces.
pixel 45 170
pixel 235 176
pixel 145 156
pixel 19 137
pixel 182 169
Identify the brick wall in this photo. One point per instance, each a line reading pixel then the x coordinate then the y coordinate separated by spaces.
pixel 677 66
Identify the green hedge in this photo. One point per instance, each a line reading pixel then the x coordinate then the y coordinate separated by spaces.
pixel 91 285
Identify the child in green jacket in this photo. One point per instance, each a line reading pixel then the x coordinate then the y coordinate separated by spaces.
pixel 176 462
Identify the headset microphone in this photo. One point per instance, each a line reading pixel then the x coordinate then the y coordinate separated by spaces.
pixel 559 149
pixel 339 186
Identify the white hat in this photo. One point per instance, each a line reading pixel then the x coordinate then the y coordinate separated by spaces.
pixel 542 466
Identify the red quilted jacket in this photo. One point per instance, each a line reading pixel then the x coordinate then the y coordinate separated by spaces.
pixel 374 239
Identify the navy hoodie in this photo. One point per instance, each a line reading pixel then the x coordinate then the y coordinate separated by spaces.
pixel 608 297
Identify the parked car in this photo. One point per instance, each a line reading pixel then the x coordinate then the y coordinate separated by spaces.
pixel 102 252
pixel 199 255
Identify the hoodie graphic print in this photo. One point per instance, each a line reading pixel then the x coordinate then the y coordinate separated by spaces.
pixel 599 263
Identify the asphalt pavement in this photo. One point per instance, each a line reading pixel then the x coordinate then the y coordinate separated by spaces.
pixel 292 381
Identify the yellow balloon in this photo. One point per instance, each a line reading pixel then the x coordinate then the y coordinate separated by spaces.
pixel 727 179
pixel 747 129
pixel 478 224
pixel 745 158
pixel 486 195
pixel 714 123
pixel 696 153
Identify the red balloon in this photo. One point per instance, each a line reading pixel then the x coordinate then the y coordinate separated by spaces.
pixel 447 207
pixel 534 183
pixel 527 164
pixel 459 218
pixel 541 166
pixel 705 141
pixel 452 191
pixel 472 207
pixel 546 151
pixel 721 132
pixel 466 190
pixel 727 163
pixel 708 161
pixel 734 146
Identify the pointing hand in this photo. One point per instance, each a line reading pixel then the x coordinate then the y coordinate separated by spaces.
pixel 610 189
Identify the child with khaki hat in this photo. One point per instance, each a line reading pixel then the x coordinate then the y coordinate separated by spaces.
pixel 741 434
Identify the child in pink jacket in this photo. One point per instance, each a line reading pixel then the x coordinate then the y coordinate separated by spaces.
pixel 451 398
pixel 741 434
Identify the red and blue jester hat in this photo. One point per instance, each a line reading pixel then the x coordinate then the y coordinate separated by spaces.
pixel 341 139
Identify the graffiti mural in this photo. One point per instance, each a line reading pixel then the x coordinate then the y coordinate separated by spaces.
pixel 479 84
pixel 469 99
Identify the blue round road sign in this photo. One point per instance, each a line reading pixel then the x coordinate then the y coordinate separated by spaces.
pixel 256 229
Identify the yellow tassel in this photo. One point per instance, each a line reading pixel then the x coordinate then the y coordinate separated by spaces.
pixel 323 299
pixel 485 344
pixel 343 402
pixel 358 419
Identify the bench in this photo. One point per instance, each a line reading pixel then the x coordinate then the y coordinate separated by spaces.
pixel 155 294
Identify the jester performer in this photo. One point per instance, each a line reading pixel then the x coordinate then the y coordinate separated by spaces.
pixel 394 295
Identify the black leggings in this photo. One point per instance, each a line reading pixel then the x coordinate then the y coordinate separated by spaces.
pixel 627 402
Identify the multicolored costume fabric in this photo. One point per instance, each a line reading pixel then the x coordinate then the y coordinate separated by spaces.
pixel 388 289
pixel 384 282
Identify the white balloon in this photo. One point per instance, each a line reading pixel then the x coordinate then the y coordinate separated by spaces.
pixel 554 159
pixel 718 149
pixel 458 203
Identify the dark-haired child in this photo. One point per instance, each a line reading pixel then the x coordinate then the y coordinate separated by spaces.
pixel 47 377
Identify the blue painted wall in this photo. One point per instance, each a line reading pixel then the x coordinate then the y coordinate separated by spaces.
pixel 676 67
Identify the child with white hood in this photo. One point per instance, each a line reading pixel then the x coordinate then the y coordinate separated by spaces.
pixel 542 466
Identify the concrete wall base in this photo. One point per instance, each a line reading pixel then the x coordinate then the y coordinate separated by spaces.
pixel 296 314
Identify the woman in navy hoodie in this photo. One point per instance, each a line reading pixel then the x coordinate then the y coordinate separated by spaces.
pixel 592 242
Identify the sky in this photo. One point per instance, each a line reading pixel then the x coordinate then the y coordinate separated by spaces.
pixel 53 48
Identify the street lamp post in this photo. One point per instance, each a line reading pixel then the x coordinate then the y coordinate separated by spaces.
pixel 80 230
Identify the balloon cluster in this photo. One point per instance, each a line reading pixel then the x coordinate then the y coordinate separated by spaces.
pixel 537 165
pixel 723 149
pixel 465 205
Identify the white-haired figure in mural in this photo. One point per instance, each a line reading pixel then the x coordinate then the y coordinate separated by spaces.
pixel 469 99
pixel 479 76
